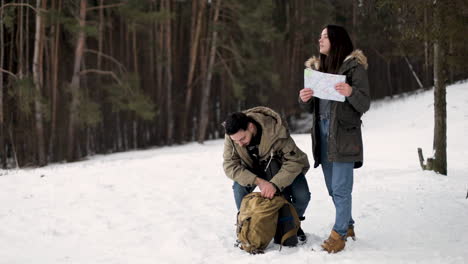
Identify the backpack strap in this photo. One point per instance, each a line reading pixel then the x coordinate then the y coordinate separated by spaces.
pixel 291 232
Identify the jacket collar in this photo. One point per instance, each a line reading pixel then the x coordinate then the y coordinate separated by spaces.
pixel 358 55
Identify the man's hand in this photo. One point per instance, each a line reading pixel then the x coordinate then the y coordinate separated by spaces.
pixel 305 94
pixel 267 189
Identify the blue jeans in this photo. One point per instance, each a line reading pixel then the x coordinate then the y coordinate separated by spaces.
pixel 339 181
pixel 297 193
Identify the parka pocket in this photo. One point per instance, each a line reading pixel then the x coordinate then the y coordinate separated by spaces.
pixel 349 137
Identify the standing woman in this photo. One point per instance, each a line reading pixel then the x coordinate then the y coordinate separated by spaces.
pixel 336 127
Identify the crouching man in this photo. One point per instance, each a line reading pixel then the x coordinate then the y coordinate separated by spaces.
pixel 259 151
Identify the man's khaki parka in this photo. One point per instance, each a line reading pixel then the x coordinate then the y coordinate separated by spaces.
pixel 275 141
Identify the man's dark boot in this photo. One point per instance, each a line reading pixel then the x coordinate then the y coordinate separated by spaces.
pixel 301 236
pixel 300 233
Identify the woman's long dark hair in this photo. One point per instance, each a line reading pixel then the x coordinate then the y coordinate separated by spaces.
pixel 340 47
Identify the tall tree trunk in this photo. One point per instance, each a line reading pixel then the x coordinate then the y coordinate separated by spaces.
pixel 186 125
pixel 440 104
pixel 37 77
pixel 152 80
pixel 426 48
pixel 134 48
pixel 3 152
pixel 355 16
pixel 55 74
pixel 205 100
pixel 389 76
pixel 159 81
pixel 20 44
pixel 449 65
pixel 170 113
pixel 100 35
pixel 75 83
pixel 135 67
pixel 27 42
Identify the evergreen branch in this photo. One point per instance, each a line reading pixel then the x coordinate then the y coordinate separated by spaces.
pixel 105 6
pixel 17 4
pixel 413 72
pixel 223 61
pixel 233 52
pixel 379 54
pixel 201 76
pixel 111 73
pixel 9 72
pixel 108 57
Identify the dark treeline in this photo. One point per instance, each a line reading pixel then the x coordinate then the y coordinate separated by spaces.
pixel 85 77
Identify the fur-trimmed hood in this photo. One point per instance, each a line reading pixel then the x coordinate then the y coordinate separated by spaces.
pixel 358 55
pixel 274 127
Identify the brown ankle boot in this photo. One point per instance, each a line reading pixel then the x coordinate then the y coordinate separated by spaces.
pixel 351 233
pixel 335 243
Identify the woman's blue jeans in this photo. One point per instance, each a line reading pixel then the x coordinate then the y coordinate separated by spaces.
pixel 297 193
pixel 339 181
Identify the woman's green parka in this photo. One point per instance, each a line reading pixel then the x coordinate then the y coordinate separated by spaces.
pixel 345 138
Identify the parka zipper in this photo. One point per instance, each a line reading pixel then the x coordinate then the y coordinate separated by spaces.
pixel 269 161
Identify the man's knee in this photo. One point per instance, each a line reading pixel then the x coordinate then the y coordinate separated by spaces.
pixel 301 189
pixel 302 197
pixel 239 193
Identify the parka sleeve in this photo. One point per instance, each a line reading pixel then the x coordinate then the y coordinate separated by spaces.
pixel 294 162
pixel 233 167
pixel 360 98
pixel 307 106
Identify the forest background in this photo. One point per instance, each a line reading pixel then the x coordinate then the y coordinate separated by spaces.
pixel 84 77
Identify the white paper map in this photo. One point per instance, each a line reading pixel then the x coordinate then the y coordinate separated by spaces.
pixel 323 84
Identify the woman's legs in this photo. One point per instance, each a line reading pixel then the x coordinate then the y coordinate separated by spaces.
pixel 339 181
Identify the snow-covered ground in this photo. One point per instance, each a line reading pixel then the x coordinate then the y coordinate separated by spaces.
pixel 175 205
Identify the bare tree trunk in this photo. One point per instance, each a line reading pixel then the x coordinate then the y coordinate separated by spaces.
pixel 152 79
pixel 20 42
pixel 186 125
pixel 75 83
pixel 101 34
pixel 440 104
pixel 134 48
pixel 170 114
pixel 10 53
pixel 295 58
pixel 135 67
pixel 37 76
pixel 55 70
pixel 449 65
pixel 355 9
pixel 13 148
pixel 205 100
pixel 426 49
pixel 159 81
pixel 389 75
pixel 135 132
pixel 27 42
pixel 3 152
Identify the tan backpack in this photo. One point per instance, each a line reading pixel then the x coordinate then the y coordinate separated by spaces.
pixel 257 221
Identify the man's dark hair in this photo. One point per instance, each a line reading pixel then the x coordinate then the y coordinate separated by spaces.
pixel 236 121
